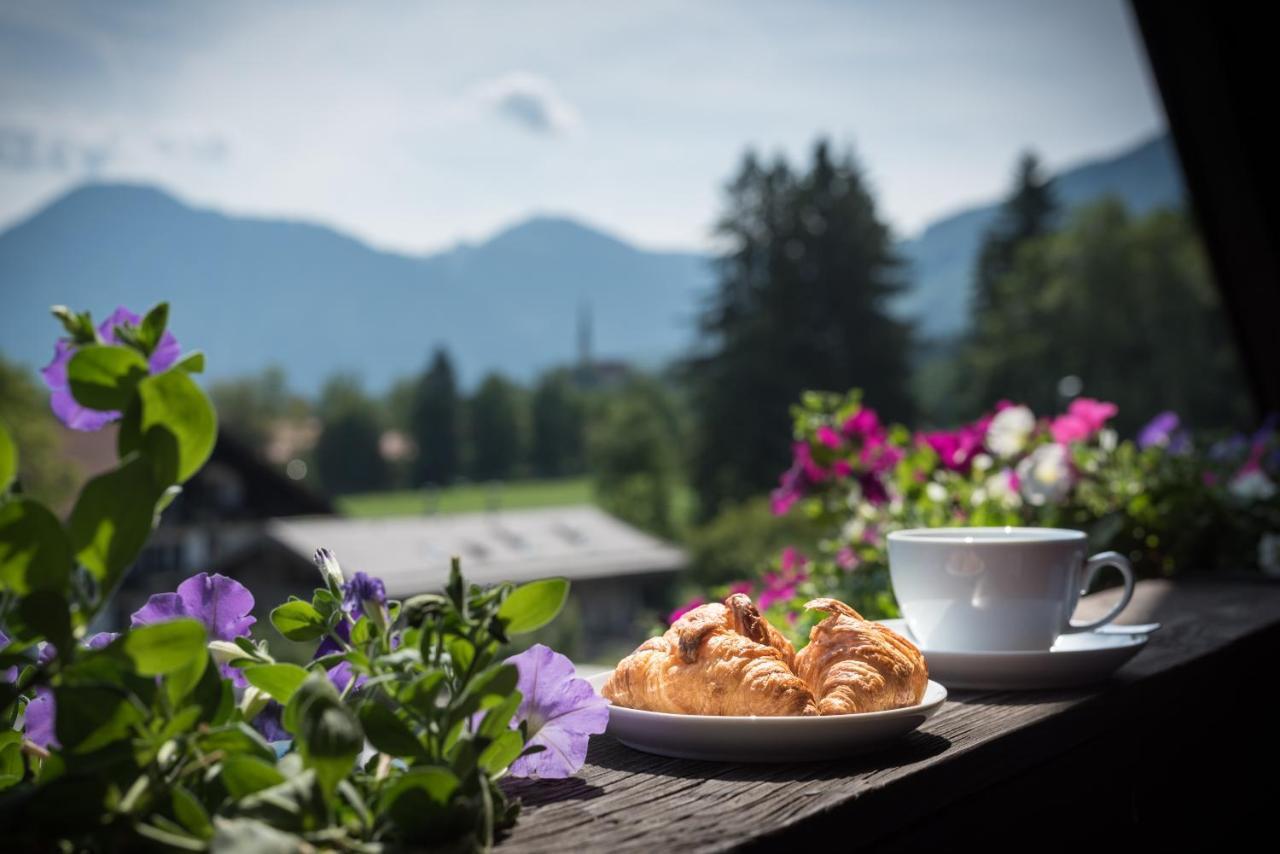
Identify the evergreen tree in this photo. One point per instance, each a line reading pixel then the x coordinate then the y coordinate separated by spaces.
pixel 801 303
pixel 495 429
pixel 633 443
pixel 347 453
pixel 558 417
pixel 435 424
pixel 999 316
pixel 1129 307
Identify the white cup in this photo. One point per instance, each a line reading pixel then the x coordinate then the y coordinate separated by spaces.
pixel 995 588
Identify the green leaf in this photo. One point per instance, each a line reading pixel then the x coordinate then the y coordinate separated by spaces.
pixel 501 752
pixel 281 681
pixel 104 376
pixel 531 606
pixel 422 693
pixel 91 716
pixel 497 720
pixel 12 766
pixel 237 739
pixel 243 775
pixel 42 614
pixel 34 551
pixel 165 647
pixel 113 518
pixel 361 632
pixel 317 688
pixel 331 740
pixel 192 363
pixel 417 803
pixel 153 325
pixel 8 459
pixel 386 732
pixel 298 621
pixel 175 427
pixel 190 813
pixel 462 652
pixel 181 682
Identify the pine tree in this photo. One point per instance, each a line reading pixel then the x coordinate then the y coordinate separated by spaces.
pixel 435 422
pixel 495 429
pixel 801 303
pixel 347 453
pixel 558 426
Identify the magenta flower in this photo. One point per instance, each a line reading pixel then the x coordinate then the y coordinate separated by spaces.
pixel 846 559
pixel 695 602
pixel 64 406
pixel 792 559
pixel 741 587
pixel 1084 417
pixel 828 437
pixel 864 424
pixel 560 710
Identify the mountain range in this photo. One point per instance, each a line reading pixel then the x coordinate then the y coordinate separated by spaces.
pixel 255 292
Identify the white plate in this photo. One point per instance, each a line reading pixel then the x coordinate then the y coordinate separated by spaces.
pixel 1076 659
pixel 765 739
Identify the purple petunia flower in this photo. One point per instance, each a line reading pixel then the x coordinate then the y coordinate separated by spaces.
pixel 561 711
pixel 270 722
pixel 364 593
pixel 1163 432
pixel 40 716
pixel 222 604
pixel 64 406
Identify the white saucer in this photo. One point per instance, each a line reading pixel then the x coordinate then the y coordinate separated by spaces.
pixel 764 739
pixel 1075 659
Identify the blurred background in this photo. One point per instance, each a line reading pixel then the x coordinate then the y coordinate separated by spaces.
pixel 538 283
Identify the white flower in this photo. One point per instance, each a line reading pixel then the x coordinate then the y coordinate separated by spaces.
pixel 1045 475
pixel 1253 485
pixel 936 492
pixel 1008 432
pixel 979 497
pixel 1000 488
pixel 982 462
pixel 1107 439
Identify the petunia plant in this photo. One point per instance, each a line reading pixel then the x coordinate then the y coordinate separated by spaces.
pixel 1158 499
pixel 182 731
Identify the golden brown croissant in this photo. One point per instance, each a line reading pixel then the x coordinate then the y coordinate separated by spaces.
pixel 853 665
pixel 715 660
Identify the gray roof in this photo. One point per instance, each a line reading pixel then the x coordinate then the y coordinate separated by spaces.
pixel 411 554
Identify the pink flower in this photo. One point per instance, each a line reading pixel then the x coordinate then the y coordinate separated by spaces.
pixel 792 559
pixel 1095 413
pixel 841 468
pixel 957 449
pixel 741 587
pixel 828 437
pixel 846 559
pixel 864 423
pixel 1069 428
pixel 775 594
pixel 695 602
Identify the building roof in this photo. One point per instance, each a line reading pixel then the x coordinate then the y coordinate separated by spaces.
pixel 411 554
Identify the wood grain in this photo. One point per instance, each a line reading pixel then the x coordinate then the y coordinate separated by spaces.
pixel 624 800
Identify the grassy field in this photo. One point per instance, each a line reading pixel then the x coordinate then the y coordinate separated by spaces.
pixel 469 498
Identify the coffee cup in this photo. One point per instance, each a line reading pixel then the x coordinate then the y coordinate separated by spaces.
pixel 996 589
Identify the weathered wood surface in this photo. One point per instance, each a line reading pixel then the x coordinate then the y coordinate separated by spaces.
pixel 979 742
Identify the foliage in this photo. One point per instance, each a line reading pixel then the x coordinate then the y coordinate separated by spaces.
pixel 45 474
pixel 801 302
pixel 1125 304
pixel 632 438
pixel 435 424
pixel 558 415
pixel 396 733
pixel 496 429
pixel 347 454
pixel 741 540
pixel 250 406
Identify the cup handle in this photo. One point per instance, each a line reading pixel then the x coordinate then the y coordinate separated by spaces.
pixel 1091 569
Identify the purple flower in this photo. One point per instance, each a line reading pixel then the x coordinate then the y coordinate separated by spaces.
pixel 340 674
pixel 270 722
pixel 9 674
pixel 1162 432
pixel 222 604
pixel 64 406
pixel 40 716
pixel 561 711
pixel 364 593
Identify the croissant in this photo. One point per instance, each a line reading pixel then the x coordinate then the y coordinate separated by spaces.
pixel 853 665
pixel 718 659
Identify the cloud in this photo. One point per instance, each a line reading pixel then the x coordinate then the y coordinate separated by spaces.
pixel 28 149
pixel 531 102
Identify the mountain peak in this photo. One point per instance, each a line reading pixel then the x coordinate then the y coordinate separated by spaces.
pixel 545 233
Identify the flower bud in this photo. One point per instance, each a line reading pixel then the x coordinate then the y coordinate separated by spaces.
pixel 329 568
pixel 225 652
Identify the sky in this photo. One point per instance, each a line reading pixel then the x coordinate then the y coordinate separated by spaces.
pixel 414 126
